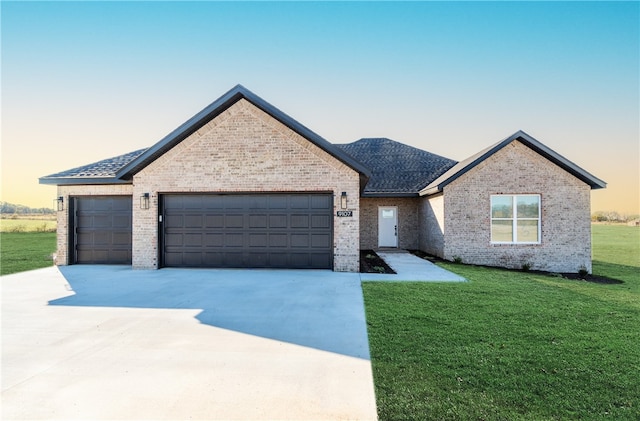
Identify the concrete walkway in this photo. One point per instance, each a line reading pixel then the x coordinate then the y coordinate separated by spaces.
pixel 108 342
pixel 409 267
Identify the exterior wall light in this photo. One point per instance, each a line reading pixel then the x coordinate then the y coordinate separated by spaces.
pixel 59 203
pixel 343 200
pixel 144 201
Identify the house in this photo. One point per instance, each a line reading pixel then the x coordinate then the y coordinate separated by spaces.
pixel 242 184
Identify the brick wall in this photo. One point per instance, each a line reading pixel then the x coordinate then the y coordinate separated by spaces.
pixel 408 224
pixel 62 253
pixel 245 150
pixel 565 204
pixel 431 216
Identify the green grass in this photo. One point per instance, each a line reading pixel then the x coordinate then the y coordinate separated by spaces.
pixel 20 251
pixel 511 345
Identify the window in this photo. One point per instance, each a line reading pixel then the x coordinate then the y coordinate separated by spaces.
pixel 515 218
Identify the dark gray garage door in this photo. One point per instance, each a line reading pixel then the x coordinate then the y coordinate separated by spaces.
pixel 102 229
pixel 242 231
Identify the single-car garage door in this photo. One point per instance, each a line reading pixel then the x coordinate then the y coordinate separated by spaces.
pixel 241 231
pixel 101 229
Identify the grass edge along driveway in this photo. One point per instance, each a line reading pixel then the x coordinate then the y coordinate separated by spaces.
pixel 511 345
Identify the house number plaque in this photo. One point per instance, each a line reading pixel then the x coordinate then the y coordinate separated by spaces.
pixel 342 214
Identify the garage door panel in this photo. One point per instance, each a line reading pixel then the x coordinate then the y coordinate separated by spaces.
pixel 278 221
pixel 300 202
pixel 213 259
pixel 262 230
pixel 259 240
pixel 102 228
pixel 175 221
pixel 121 221
pixel 193 240
pixel 193 221
pixel 214 240
pixel 258 221
pixel 173 240
pixel 299 260
pixel 257 260
pixel 192 202
pixel 320 221
pixel 278 240
pixel 234 240
pixel 321 202
pixel 103 221
pixel 121 239
pixel 320 240
pixel 234 221
pixel 192 258
pixel 258 202
pixel 300 240
pixel 214 221
pixel 212 202
pixel 319 260
pixel 233 260
pixel 300 221
pixel 278 202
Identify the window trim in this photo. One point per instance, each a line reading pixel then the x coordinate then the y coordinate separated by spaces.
pixel 514 219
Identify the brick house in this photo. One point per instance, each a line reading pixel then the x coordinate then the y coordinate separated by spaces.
pixel 242 184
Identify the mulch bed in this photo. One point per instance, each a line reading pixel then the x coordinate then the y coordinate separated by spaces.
pixel 370 262
pixel 573 276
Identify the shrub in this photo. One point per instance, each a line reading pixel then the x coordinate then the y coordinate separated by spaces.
pixel 583 272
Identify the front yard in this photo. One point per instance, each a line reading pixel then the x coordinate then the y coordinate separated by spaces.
pixel 511 345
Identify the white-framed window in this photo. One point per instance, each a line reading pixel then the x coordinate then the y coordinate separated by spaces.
pixel 515 218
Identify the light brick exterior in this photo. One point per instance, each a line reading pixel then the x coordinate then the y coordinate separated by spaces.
pixel 565 201
pixel 245 150
pixel 431 228
pixel 62 253
pixel 408 222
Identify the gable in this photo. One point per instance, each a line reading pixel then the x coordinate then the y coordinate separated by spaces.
pixel 130 164
pixel 244 149
pixel 516 169
pixel 534 145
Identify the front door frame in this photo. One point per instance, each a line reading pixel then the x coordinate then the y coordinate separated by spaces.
pixel 388 231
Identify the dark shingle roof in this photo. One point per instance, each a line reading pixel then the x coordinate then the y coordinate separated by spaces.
pixel 104 170
pixel 397 169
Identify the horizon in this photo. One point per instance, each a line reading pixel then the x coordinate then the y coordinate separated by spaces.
pixel 84 82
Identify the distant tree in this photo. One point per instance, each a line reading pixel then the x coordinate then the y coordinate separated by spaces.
pixel 7 208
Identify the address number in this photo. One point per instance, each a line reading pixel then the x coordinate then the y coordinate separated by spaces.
pixel 343 214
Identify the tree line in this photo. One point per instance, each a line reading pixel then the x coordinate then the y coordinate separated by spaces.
pixel 7 208
pixel 613 216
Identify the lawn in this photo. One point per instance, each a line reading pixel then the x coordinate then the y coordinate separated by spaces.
pixel 511 345
pixel 20 251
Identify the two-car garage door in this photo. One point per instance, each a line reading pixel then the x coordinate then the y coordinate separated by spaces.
pixel 247 230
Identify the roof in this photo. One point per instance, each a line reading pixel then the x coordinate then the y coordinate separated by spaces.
pixel 396 169
pixel 126 171
pixel 464 166
pixel 96 173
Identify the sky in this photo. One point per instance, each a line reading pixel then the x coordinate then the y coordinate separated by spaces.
pixel 85 81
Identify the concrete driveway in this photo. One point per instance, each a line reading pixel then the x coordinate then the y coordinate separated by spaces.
pixel 108 342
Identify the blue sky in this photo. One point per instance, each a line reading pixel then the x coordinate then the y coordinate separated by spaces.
pixel 86 81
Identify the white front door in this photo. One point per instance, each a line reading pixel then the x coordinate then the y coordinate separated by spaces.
pixel 387 226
